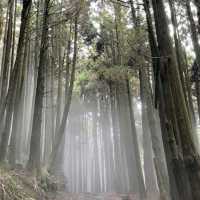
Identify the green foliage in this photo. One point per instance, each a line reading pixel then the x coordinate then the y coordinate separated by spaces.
pixel 84 76
pixel 115 73
pixel 119 40
pixel 18 10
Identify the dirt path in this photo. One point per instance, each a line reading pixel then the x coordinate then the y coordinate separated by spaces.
pixel 100 196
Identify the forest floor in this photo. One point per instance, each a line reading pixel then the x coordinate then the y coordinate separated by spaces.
pixel 92 196
pixel 21 185
pixel 99 196
pixel 15 185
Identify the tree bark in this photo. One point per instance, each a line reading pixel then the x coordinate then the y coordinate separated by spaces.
pixel 7 57
pixel 8 101
pixel 34 162
pixel 196 46
pixel 159 160
pixel 187 158
pixel 197 4
pixel 1 19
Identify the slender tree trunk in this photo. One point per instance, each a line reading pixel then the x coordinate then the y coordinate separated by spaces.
pixel 129 140
pixel 149 168
pixel 8 102
pixel 95 135
pixel 1 19
pixel 196 49
pixel 13 36
pixel 8 45
pixel 159 160
pixel 62 127
pixel 59 90
pixel 178 49
pixel 119 173
pixel 4 50
pixel 197 3
pixel 35 146
pixel 18 107
pixel 68 61
pixel 182 63
pixel 135 142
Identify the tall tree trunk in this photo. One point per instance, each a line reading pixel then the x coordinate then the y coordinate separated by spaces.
pixel 68 61
pixel 129 141
pixel 95 135
pixel 159 96
pixel 182 63
pixel 8 45
pixel 197 3
pixel 8 102
pixel 159 160
pixel 7 55
pixel 135 142
pixel 13 36
pixel 62 127
pixel 126 117
pixel 59 90
pixel 187 157
pixel 119 170
pixel 18 108
pixel 149 168
pixel 196 45
pixel 1 19
pixel 34 162
pixel 178 49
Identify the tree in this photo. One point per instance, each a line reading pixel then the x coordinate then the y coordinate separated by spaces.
pixel 186 154
pixel 197 3
pixel 1 19
pixel 62 126
pixel 196 46
pixel 35 147
pixel 8 102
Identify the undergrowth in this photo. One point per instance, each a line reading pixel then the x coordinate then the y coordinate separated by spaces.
pixel 13 187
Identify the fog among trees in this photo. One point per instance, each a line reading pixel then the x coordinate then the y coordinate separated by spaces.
pixel 99 99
